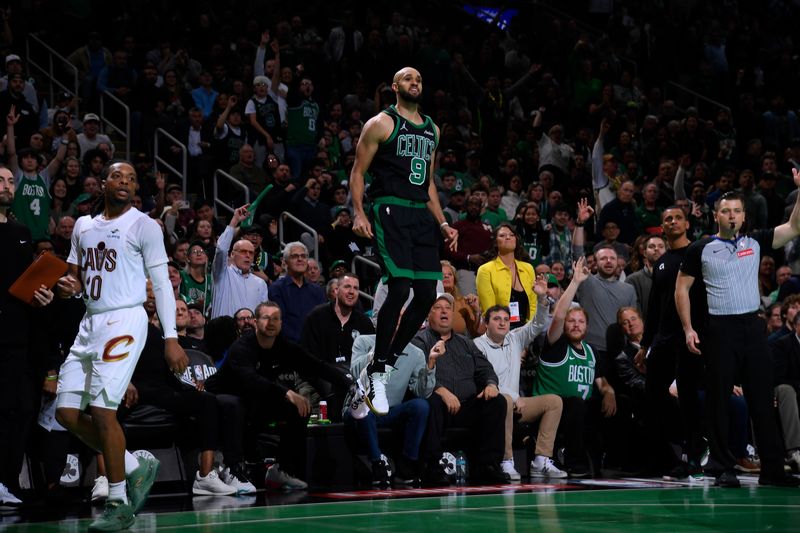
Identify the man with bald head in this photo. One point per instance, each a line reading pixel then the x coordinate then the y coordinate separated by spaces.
pixel 235 285
pixel 398 147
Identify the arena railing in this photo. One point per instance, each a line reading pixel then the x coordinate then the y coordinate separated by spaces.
pixel 221 174
pixel 123 130
pixel 684 97
pixel 157 159
pixel 45 60
pixel 290 217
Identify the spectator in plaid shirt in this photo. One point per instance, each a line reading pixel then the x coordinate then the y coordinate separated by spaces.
pixel 566 246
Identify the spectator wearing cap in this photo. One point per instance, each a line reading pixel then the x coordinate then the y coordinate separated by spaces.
pixel 328 333
pixel 32 200
pixel 455 206
pixel 295 296
pixel 263 115
pixel 90 60
pixel 466 395
pixel 82 205
pixel 90 137
pixel 337 269
pixel 235 286
pixel 448 164
pixel 14 66
pixel 12 98
pixel 341 242
pixel 196 282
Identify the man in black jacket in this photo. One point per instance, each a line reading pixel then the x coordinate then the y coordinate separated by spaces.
pixel 262 368
pixel 328 333
pixel 466 394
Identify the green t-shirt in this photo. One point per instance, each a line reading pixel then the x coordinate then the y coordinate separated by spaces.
pixel 193 291
pixel 565 371
pixel 493 218
pixel 648 219
pixel 303 121
pixel 31 204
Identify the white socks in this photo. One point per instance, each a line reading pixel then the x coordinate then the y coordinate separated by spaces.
pixel 116 491
pixel 131 463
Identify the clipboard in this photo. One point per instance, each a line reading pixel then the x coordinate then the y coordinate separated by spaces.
pixel 45 270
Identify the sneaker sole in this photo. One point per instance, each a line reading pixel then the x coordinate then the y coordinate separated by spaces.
pixel 203 492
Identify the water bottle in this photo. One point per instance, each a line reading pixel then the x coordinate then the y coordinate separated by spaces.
pixel 461 468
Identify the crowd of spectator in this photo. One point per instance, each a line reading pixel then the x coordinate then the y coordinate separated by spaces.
pixel 559 153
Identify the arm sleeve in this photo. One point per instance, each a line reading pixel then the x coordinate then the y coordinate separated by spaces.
pixel 422 380
pixel 628 373
pixel 533 328
pixel 310 367
pixel 483 284
pixel 764 238
pixel 165 299
pixel 599 180
pixel 73 258
pixel 653 318
pixel 223 247
pixel 258 63
pixel 152 243
pixel 692 264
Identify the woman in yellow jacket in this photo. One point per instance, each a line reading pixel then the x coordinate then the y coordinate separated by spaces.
pixel 507 278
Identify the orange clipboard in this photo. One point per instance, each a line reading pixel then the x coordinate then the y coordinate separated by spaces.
pixel 45 270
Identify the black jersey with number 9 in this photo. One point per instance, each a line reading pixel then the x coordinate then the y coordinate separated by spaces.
pixel 402 164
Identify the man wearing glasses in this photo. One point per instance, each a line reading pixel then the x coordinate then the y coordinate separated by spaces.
pixel 235 286
pixel 295 296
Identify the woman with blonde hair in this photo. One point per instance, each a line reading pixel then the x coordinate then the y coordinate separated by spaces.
pixel 467 319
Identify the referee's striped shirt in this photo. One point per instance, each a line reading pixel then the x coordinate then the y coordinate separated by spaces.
pixel 729 269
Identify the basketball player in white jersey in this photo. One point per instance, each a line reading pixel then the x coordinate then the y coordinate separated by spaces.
pixel 112 255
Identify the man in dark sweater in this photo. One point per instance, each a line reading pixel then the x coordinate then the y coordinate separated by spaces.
pixel 476 238
pixel 466 394
pixel 262 368
pixel 328 334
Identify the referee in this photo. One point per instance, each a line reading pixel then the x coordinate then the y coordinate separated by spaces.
pixel 735 346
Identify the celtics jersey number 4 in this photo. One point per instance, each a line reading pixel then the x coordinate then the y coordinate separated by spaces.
pixel 401 166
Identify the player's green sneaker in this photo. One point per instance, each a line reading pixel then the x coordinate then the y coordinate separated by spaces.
pixel 140 481
pixel 116 517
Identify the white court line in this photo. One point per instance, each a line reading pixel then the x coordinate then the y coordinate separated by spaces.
pixel 627 505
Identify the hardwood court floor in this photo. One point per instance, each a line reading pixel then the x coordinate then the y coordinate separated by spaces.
pixel 572 507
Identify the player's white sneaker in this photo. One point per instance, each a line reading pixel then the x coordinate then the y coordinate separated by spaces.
pixel 237 480
pixel 7 499
pixel 376 395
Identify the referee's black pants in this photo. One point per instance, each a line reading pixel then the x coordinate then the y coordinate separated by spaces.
pixel 736 350
pixel 666 362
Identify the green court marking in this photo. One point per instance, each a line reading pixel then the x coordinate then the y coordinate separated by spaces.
pixel 656 510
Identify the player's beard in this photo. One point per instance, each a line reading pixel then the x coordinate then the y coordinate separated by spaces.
pixel 410 97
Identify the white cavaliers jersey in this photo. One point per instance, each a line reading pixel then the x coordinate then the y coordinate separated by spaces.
pixel 112 256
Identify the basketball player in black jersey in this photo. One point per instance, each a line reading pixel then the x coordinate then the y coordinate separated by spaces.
pixel 398 147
